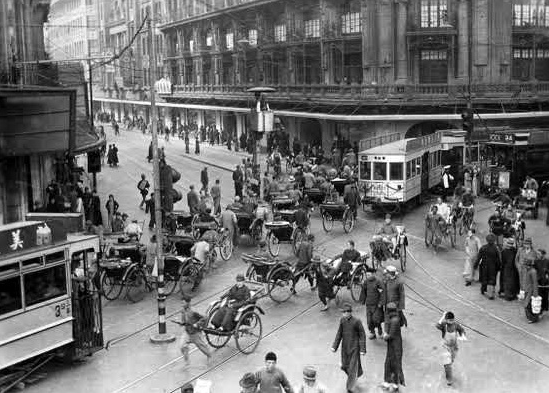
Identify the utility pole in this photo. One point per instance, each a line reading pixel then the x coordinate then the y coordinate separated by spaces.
pixel 470 111
pixel 162 336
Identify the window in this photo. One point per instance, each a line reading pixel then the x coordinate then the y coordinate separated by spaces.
pixel 525 15
pixel 10 295
pixel 209 39
pixel 191 46
pixel 280 33
pixel 229 41
pixel 418 166
pixel 396 171
pixel 408 170
pixel 312 28
pixel 365 170
pixel 434 13
pixel 433 55
pixel 45 284
pixel 252 37
pixel 350 23
pixel 380 171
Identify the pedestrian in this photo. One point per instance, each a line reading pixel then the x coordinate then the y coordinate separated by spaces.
pixel 204 179
pixel 248 383
pixel 192 322
pixel 271 379
pixel 197 145
pixel 532 300
pixel 524 254
pixel 352 338
pixel 509 277
pixel 187 141
pixel 229 222
pixel 489 263
pixel 542 269
pixel 325 284
pixel 96 216
pixel 193 200
pixel 112 207
pixel 238 179
pixel 215 192
pixel 468 179
pixel 109 156
pixel 150 155
pixel 393 375
pixel 150 208
pixel 472 247
pixel 304 259
pixel 310 384
pixel 451 333
pixel 371 295
pixel 393 292
pixel 447 180
pixel 114 155
pixel 143 187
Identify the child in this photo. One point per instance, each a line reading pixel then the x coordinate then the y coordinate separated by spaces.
pixel 370 295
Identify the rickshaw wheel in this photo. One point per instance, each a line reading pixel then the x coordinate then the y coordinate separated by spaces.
pixel 402 252
pixel 136 282
pixel 215 340
pixel 111 286
pixel 248 332
pixel 226 247
pixel 348 221
pixel 273 244
pixel 251 273
pixel 190 278
pixel 357 279
pixel 327 222
pixel 171 282
pixel 280 282
pixel 299 237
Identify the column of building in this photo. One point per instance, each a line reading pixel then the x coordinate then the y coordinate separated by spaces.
pixel 401 47
pixel 369 42
pixel 386 42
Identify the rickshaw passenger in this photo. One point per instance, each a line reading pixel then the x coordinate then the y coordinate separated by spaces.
pixel 530 183
pixel 237 296
pixel 388 229
pixel 443 209
pixel 344 270
pixel 433 227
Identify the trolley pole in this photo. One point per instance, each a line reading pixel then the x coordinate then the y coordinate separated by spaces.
pixel 162 336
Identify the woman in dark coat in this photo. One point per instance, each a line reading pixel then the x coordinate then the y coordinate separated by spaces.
pixel 489 260
pixel 393 375
pixel 509 279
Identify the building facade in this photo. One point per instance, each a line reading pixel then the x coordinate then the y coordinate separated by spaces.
pixel 354 69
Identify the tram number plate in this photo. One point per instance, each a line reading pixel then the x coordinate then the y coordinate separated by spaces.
pixel 62 309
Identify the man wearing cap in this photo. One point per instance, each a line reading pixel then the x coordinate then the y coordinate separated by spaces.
pixel 352 338
pixel 393 292
pixel 351 197
pixel 248 383
pixel 509 277
pixel 451 333
pixel 193 200
pixel 325 283
pixel 393 375
pixel 143 186
pixel 310 384
pixel 447 178
pixel 271 379
pixel 193 323
pixel 229 222
pixel 489 260
pixel 371 295
pixel 237 296
pixel 215 192
pixel 525 253
pixel 304 258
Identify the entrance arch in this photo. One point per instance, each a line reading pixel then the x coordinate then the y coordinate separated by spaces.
pixel 426 128
pixel 311 132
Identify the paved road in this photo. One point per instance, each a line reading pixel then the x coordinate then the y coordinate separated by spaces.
pixel 503 354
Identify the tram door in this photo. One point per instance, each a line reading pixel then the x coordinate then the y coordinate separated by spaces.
pixel 425 172
pixel 87 313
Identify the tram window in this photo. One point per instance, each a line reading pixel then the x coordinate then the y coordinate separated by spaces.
pixel 365 170
pixel 55 257
pixel 413 169
pixel 380 171
pixel 45 284
pixel 33 262
pixel 9 269
pixel 408 169
pixel 396 171
pixel 10 295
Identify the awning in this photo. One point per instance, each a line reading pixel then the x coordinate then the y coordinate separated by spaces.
pixel 86 139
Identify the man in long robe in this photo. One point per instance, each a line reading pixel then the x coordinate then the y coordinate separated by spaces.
pixel 352 337
pixel 393 375
pixel 489 260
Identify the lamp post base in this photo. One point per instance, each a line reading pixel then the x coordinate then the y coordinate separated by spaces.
pixel 158 338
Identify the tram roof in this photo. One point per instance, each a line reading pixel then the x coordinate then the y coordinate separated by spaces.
pixel 391 148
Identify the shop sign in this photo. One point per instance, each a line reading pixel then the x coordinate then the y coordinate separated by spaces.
pixel 18 238
pixel 502 138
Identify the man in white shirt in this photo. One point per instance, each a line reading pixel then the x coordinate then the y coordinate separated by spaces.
pixel 443 209
pixel 200 251
pixel 447 178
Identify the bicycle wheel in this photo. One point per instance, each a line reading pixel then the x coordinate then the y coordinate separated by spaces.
pixel 111 286
pixel 136 284
pixel 215 340
pixel 299 237
pixel 195 231
pixel 280 283
pixel 171 281
pixel 190 278
pixel 327 222
pixel 348 221
pixel 248 332
pixel 357 279
pixel 226 247
pixel 251 273
pixel 273 244
pixel 402 255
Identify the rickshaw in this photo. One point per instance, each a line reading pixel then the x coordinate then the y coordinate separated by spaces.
pixel 248 328
pixel 180 267
pixel 282 203
pixel 439 230
pixel 276 275
pixel 355 278
pixel 283 232
pixel 382 249
pixel 337 211
pixel 249 224
pixel 198 227
pixel 184 220
pixel 314 196
pixel 527 201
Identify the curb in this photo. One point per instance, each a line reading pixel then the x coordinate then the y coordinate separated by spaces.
pixel 224 168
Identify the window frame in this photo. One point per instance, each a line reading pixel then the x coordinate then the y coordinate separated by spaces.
pixel 36 303
pixel 375 163
pixel 433 14
pixel 369 165
pixel 401 168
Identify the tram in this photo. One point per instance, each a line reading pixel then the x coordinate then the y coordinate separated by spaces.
pixel 396 173
pixel 48 304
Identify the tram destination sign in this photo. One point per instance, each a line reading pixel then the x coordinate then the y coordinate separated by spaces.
pixel 502 138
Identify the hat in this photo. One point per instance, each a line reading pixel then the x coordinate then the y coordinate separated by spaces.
pixel 316 258
pixel 187 388
pixel 346 307
pixel 248 381
pixel 508 242
pixel 240 277
pixel 237 198
pixel 391 306
pixel 447 166
pixel 387 216
pixel 271 356
pixel 528 240
pixel 391 269
pixel 309 373
pixel 125 215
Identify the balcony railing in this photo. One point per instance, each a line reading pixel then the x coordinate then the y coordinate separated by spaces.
pixel 426 92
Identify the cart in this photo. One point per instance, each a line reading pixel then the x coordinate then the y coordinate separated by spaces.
pixel 355 278
pixel 339 184
pixel 337 211
pixel 249 224
pixel 282 204
pixel 527 201
pixel 382 249
pixel 277 276
pixel 184 220
pixel 198 228
pixel 283 232
pixel 314 196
